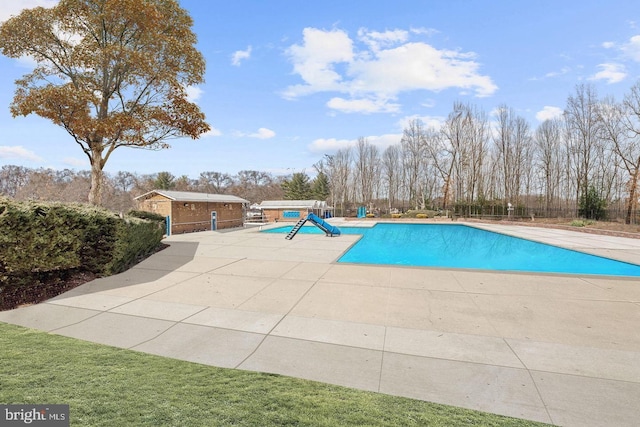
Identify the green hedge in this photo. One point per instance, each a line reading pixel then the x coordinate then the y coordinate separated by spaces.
pixel 43 239
pixel 146 215
pixel 135 238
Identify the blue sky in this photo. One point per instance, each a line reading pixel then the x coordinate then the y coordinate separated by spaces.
pixel 288 81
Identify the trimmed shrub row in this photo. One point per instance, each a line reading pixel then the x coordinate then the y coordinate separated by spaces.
pixel 420 214
pixel 40 241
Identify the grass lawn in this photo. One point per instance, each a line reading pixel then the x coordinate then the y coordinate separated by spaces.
pixel 106 386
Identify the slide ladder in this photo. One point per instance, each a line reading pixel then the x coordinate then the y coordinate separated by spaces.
pixel 295 229
pixel 329 230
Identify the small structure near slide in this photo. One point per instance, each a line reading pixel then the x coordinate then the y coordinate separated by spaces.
pixel 188 211
pixel 293 210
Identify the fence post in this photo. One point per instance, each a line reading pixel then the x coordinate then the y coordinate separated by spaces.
pixel 167 222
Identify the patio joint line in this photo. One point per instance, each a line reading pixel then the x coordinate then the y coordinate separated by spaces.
pixel 535 384
pixel 266 335
pixel 178 283
pixel 155 336
pixel 98 313
pixel 384 345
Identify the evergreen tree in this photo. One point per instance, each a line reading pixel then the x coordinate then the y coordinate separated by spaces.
pixel 591 205
pixel 298 187
pixel 320 187
pixel 164 181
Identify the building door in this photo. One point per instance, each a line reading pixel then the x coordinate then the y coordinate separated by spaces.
pixel 214 220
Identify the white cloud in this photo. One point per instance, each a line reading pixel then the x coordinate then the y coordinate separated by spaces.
pixel 386 65
pixel 428 103
pixel 548 112
pixel 434 122
pixel 74 162
pixel 612 73
pixel 239 55
pixel 211 133
pixel 27 61
pixel 193 93
pixel 331 145
pixel 314 61
pixel 563 70
pixel 415 66
pixel 377 40
pixel 384 141
pixel 18 152
pixel 632 49
pixel 9 8
pixel 424 31
pixel 263 133
pixel 362 105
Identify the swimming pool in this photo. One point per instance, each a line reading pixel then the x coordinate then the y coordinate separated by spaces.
pixel 466 247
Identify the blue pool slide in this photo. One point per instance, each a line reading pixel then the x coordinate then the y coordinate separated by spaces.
pixel 329 230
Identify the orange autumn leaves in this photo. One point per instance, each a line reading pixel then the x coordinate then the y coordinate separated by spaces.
pixel 112 73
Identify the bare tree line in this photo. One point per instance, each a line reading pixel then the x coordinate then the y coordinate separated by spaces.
pixel 474 163
pixel 23 183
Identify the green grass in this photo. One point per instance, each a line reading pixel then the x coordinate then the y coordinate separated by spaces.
pixel 107 386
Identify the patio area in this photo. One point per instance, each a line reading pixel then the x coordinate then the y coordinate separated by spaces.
pixel 561 349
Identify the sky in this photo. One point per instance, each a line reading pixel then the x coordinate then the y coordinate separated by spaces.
pixel 288 81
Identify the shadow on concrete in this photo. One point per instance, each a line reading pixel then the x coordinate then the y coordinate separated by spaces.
pixel 152 270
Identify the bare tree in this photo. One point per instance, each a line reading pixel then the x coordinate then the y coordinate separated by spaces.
pixel 548 140
pixel 512 139
pixel 184 183
pixel 119 191
pixel 413 153
pixel 584 131
pixel 338 170
pixel 250 185
pixel 214 182
pixel 12 179
pixel 469 143
pixel 367 160
pixel 621 126
pixel 392 173
pixel 124 181
pixel 458 153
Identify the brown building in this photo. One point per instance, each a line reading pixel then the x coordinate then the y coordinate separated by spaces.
pixel 188 211
pixel 292 210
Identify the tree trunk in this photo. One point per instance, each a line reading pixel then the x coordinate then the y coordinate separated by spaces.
pixel 95 193
pixel 632 196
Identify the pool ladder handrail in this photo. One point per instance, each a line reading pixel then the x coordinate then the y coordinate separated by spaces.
pixel 295 229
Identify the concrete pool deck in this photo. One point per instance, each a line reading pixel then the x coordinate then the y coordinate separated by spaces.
pixel 561 349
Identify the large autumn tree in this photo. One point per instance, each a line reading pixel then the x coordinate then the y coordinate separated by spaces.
pixel 112 73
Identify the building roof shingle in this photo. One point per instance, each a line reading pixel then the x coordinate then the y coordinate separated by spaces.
pixel 189 196
pixel 292 204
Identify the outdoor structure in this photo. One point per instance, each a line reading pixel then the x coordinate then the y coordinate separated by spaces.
pixel 293 210
pixel 188 211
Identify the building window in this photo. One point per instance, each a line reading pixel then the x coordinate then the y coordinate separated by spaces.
pixel 290 214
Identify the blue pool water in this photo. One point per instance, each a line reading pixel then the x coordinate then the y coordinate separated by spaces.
pixel 461 246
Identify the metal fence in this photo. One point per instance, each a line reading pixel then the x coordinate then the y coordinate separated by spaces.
pixel 500 212
pixel 611 215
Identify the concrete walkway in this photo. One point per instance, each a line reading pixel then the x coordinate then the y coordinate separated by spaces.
pixel 552 348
